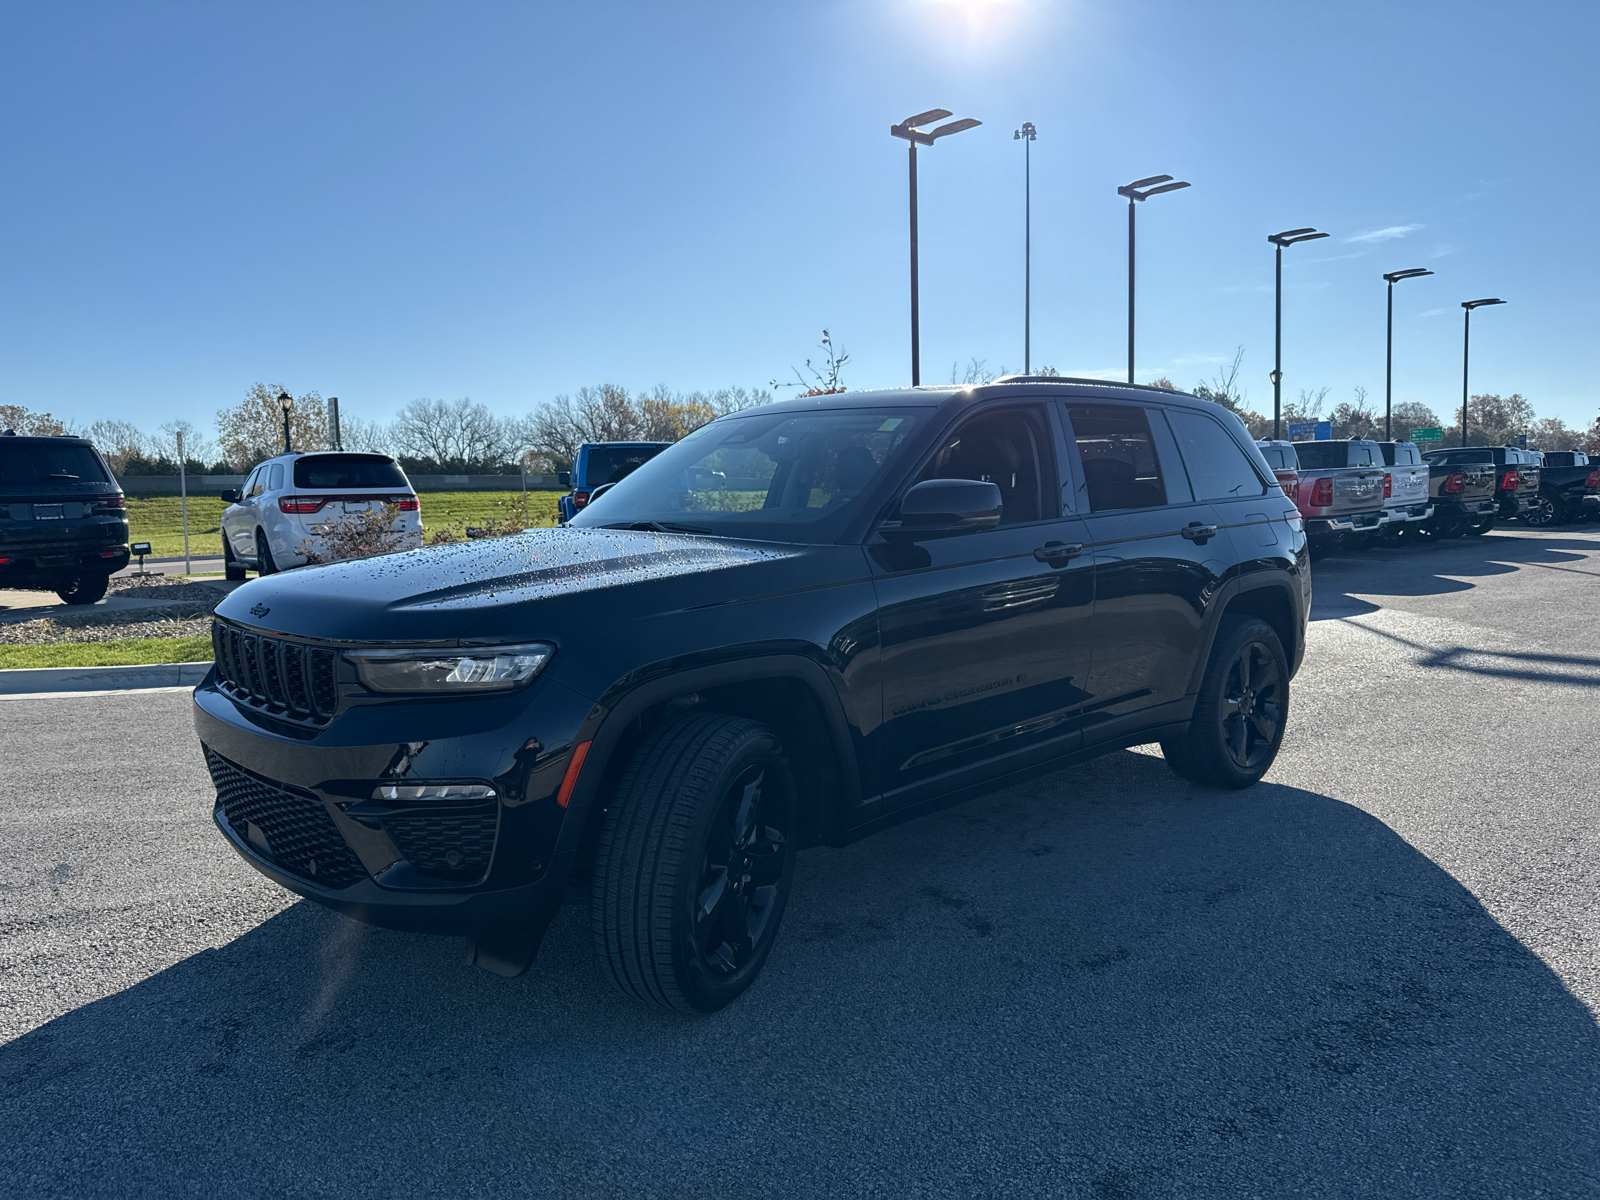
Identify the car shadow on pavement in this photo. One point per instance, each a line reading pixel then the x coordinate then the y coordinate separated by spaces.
pixel 1341 583
pixel 1103 983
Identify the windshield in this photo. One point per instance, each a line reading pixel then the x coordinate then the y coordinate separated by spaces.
pixel 777 477
pixel 29 463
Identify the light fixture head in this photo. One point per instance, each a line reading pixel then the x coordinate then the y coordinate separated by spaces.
pixel 1027 131
pixel 285 401
pixel 961 126
pixel 1469 305
pixel 1409 273
pixel 1141 189
pixel 1290 237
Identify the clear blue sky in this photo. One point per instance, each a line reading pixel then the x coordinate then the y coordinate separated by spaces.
pixel 393 200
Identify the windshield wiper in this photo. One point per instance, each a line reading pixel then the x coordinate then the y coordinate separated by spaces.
pixel 60 475
pixel 657 527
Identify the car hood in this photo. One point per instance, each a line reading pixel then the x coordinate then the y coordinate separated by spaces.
pixel 479 588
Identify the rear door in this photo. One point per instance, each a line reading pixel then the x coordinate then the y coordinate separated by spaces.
pixel 1159 555
pixel 1221 474
pixel 985 635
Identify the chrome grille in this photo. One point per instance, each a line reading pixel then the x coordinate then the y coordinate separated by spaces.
pixel 279 677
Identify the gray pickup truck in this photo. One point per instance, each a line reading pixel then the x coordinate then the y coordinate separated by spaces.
pixel 1463 497
pixel 1341 491
pixel 1406 493
pixel 1516 474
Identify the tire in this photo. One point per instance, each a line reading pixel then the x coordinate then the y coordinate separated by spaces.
pixel 264 561
pixel 1242 709
pixel 701 794
pixel 231 568
pixel 85 589
pixel 1543 512
pixel 1479 528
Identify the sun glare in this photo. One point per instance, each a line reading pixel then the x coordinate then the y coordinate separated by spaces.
pixel 986 19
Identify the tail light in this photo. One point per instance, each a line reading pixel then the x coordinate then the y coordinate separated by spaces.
pixel 1455 482
pixel 4 561
pixel 116 501
pixel 106 553
pixel 1322 492
pixel 301 504
pixel 579 499
pixel 1388 485
pixel 1509 483
pixel 1593 481
pixel 1289 481
pixel 406 503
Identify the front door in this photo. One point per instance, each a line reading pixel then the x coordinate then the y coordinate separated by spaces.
pixel 1159 555
pixel 985 648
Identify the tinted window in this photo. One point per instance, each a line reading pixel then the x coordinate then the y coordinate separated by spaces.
pixel 608 464
pixel 348 471
pixel 1218 468
pixel 1005 448
pixel 1120 467
pixel 252 485
pixel 275 478
pixel 1280 458
pixel 1320 456
pixel 29 464
pixel 781 476
pixel 1400 454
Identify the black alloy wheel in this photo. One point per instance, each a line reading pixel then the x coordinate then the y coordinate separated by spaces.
pixel 695 861
pixel 264 562
pixel 1241 712
pixel 88 588
pixel 1542 513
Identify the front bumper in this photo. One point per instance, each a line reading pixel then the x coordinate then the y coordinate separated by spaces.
pixel 297 805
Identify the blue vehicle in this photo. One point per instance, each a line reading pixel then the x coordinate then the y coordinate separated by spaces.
pixel 599 464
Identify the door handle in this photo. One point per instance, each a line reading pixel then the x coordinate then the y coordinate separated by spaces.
pixel 1199 534
pixel 1058 554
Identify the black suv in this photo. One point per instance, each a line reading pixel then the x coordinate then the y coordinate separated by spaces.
pixel 63 519
pixel 799 624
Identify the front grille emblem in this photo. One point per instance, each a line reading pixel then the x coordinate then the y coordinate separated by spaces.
pixel 260 610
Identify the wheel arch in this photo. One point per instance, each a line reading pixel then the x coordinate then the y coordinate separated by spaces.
pixel 1271 600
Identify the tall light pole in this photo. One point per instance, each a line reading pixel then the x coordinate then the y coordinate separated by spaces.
pixel 1140 189
pixel 908 129
pixel 1287 238
pixel 286 403
pixel 1393 277
pixel 1466 347
pixel 1026 135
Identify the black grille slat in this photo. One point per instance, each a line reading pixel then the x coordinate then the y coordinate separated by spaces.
pixel 277 676
pixel 451 843
pixel 302 837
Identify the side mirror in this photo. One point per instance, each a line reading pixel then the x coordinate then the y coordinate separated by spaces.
pixel 564 479
pixel 231 496
pixel 945 506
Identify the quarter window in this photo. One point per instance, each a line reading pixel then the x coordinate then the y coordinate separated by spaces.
pixel 1218 468
pixel 1118 457
pixel 275 478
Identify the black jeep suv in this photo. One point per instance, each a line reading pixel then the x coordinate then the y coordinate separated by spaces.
pixel 799 624
pixel 63 519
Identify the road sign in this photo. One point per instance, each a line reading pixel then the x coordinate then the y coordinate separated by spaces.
pixel 1310 431
pixel 1432 434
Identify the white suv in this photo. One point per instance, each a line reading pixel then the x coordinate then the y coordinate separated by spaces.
pixel 289 502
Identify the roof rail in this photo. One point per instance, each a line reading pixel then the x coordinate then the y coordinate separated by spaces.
pixel 1145 387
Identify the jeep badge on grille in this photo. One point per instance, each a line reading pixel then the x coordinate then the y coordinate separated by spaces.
pixel 259 610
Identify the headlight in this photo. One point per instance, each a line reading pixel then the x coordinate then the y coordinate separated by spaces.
pixel 489 669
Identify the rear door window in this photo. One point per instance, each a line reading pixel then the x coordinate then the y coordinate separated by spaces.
pixel 30 464
pixel 1117 458
pixel 1218 468
pixel 354 471
pixel 253 484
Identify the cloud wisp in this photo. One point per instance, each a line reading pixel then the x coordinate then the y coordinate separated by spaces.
pixel 1387 234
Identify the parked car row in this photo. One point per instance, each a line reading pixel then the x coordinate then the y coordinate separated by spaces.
pixel 1360 490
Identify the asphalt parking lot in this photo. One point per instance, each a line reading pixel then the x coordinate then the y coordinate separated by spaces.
pixel 1375 974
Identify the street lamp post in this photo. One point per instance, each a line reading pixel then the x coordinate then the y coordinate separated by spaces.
pixel 286 403
pixel 1140 189
pixel 1026 135
pixel 1393 277
pixel 1287 238
pixel 914 136
pixel 1466 347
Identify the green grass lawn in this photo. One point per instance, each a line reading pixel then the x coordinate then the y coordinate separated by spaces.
pixel 122 652
pixel 158 519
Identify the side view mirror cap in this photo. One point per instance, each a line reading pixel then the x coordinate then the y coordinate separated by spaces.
pixel 564 479
pixel 231 496
pixel 943 506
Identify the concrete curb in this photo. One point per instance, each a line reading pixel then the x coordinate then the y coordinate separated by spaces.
pixel 34 680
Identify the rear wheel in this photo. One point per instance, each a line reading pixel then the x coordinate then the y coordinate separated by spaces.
pixel 695 862
pixel 1480 527
pixel 1240 714
pixel 87 588
pixel 1543 512
pixel 231 567
pixel 264 563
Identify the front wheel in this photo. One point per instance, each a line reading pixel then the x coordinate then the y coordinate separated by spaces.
pixel 1542 513
pixel 1241 711
pixel 88 588
pixel 695 862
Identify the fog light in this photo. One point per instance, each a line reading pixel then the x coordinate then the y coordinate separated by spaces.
pixel 433 791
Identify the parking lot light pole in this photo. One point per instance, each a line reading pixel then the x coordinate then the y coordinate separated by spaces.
pixel 1466 349
pixel 914 136
pixel 1393 277
pixel 1026 135
pixel 285 402
pixel 1287 238
pixel 1140 189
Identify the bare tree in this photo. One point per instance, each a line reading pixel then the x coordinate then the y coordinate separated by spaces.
pixel 554 431
pixel 365 437
pixel 1353 418
pixel 455 438
pixel 197 447
pixel 253 429
pixel 1224 389
pixel 974 373
pixel 826 379
pixel 119 442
